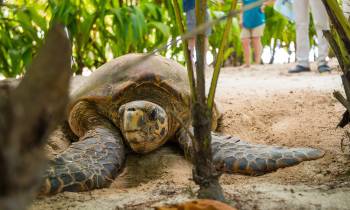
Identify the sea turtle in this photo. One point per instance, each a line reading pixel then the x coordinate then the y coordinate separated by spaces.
pixel 139 109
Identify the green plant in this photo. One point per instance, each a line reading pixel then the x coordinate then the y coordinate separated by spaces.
pixel 22 29
pixel 98 29
pixel 234 49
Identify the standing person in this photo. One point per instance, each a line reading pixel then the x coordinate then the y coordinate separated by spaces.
pixel 301 12
pixel 253 24
pixel 189 9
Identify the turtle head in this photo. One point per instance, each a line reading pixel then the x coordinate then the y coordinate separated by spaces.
pixel 144 125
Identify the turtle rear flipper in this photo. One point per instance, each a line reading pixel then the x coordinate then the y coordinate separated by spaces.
pixel 232 155
pixel 236 156
pixel 91 163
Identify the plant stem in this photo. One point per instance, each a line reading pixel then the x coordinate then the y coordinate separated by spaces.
pixel 339 40
pixel 186 50
pixel 204 172
pixel 220 58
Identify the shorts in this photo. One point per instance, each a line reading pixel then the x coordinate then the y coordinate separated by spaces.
pixel 252 32
pixel 191 21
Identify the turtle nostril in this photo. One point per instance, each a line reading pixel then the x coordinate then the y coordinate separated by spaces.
pixel 131 109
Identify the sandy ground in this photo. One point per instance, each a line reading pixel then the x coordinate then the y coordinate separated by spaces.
pixel 263 104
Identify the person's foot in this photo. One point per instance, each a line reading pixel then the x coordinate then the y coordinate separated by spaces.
pixel 298 69
pixel 324 68
pixel 246 65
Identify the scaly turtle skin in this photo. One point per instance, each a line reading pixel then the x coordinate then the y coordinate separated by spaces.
pixel 117 109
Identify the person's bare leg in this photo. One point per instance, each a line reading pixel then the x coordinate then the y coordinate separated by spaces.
pixel 257 49
pixel 246 48
pixel 191 45
pixel 206 51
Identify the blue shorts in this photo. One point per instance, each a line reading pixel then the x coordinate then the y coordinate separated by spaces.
pixel 191 21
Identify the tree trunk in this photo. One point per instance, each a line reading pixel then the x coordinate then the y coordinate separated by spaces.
pixel 28 113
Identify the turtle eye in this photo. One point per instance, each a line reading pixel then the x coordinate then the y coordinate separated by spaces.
pixel 153 115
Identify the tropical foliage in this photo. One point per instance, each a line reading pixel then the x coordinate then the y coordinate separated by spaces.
pixel 102 29
pixel 279 32
pixel 234 47
pixel 21 32
pixel 98 29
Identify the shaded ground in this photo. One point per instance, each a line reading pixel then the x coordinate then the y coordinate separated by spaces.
pixel 263 104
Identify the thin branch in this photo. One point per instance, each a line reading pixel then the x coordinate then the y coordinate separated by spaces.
pixel 185 127
pixel 186 51
pixel 331 37
pixel 341 99
pixel 220 58
pixel 346 86
pixel 201 6
pixel 337 17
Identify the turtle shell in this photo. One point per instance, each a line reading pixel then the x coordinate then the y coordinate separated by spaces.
pixel 156 79
pixel 113 78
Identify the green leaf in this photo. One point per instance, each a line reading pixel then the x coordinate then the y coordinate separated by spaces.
pixel 27 56
pixel 39 20
pixel 161 27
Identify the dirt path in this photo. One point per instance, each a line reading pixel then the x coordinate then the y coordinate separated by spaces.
pixel 264 105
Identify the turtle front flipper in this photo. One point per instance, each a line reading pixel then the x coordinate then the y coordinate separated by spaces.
pixel 94 160
pixel 91 163
pixel 232 155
